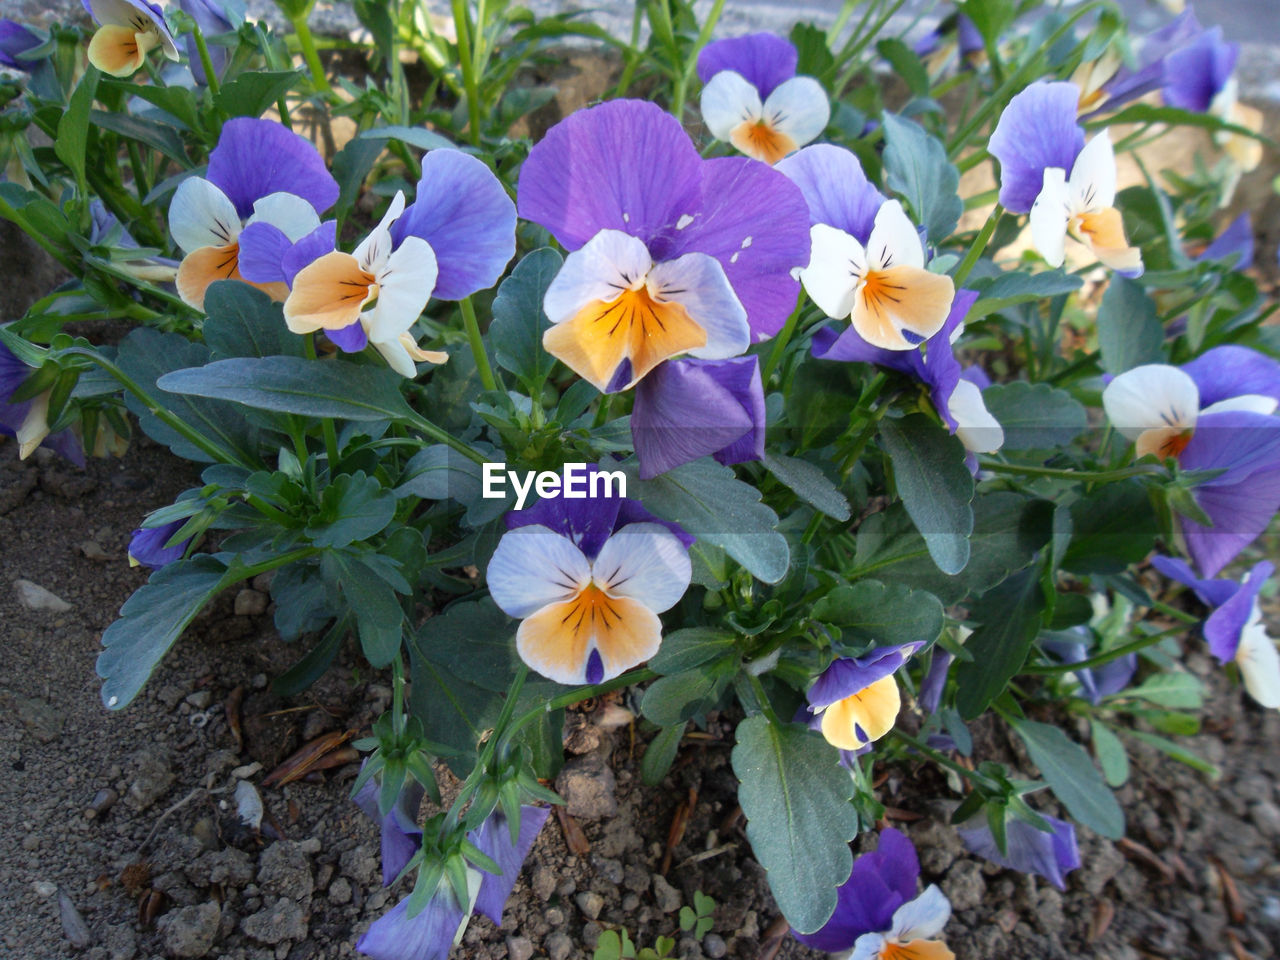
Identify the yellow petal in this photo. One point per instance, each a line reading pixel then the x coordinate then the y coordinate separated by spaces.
pixel 901 297
pixel 328 294
pixel 758 139
pixel 557 640
pixel 1103 232
pixel 863 717
pixel 417 353
pixel 634 327
pixel 120 51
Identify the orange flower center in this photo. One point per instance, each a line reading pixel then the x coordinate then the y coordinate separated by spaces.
pixel 758 139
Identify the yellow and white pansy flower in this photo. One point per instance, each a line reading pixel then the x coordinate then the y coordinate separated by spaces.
pixel 128 30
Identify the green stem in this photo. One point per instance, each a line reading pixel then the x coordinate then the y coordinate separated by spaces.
pixel 206 61
pixel 264 44
pixel 470 82
pixel 686 72
pixel 780 344
pixel 326 423
pixel 1101 659
pixel 939 758
pixel 308 44
pixel 851 71
pixel 1090 476
pixel 441 435
pixel 762 699
pixel 977 247
pixel 481 769
pixel 577 695
pixel 477 343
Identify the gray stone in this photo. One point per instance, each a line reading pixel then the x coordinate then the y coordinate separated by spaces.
pixel 283 920
pixel 190 932
pixel 558 945
pixel 1099 867
pixel 713 946
pixel 35 597
pixel 544 882
pixel 939 845
pixel 964 885
pixel 38 716
pixel 519 948
pixel 589 789
pixel 283 869
pixel 153 778
pixel 121 942
pixel 590 903
pixel 688 949
pixel 250 603
pixel 229 867
pixel 635 878
pixel 665 897
pixel 360 864
pixel 1266 817
pixel 340 891
pixel 200 699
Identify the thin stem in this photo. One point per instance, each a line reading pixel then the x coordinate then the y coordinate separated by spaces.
pixel 1091 476
pixel 206 61
pixel 939 758
pixel 326 423
pixel 441 435
pixel 847 77
pixel 470 82
pixel 686 72
pixel 308 44
pixel 1101 659
pixel 780 344
pixel 977 247
pixel 477 343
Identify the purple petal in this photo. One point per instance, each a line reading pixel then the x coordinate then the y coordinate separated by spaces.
pixel 428 936
pixel 1113 676
pixel 967 36
pixel 632 511
pixel 835 188
pixel 16 39
pixel 255 158
pixel 1235 242
pixel 848 675
pixel 262 250
pixel 1049 855
pixel 941 369
pixel 1212 593
pixel 935 681
pixel 754 221
pixel 1129 84
pixel 1037 130
pixel 1196 73
pixel 687 409
pixel 323 239
pixel 212 20
pixel 1241 512
pixel 842 342
pixel 1223 627
pixel 67 445
pixel 147 545
pixel 463 212
pixel 494 839
pixel 349 339
pixel 623 165
pixel 764 59
pixel 587 521
pixel 1231 371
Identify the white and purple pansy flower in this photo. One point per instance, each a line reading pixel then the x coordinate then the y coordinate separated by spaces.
pixel 455 238
pixel 753 99
pixel 868 262
pixel 1234 629
pixel 857 698
pixel 587 578
pixel 27 420
pixel 1214 413
pixel 1109 82
pixel 1051 854
pixel 128 30
pixel 878 914
pixel 668 253
pixel 1067 186
pixel 260 172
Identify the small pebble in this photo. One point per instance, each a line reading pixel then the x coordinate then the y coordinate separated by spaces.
pixel 340 891
pixel 44 889
pixel 103 801
pixel 250 603
pixel 519 948
pixel 590 903
pixel 200 699
pixel 713 946
pixel 92 550
pixel 35 597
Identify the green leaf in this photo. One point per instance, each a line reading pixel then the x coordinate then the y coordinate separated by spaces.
pixel 683 696
pixel 1110 753
pixel 439 472
pixel 354 507
pixel 814 55
pixel 515 335
pixel 711 503
pixel 1176 691
pixel 178 102
pixel 888 614
pixel 688 648
pixel 809 483
pixel 1035 416
pixel 152 620
pixel 1129 331
pixel 351 165
pixel 935 485
pixel 312 388
pixel 991 17
pixel 916 167
pixel 906 65
pixel 1071 775
pixel 419 137
pixel 1138 113
pixel 245 322
pixel 159 136
pixel 254 91
pixel 302 600
pixel 1014 287
pixel 379 616
pixel 73 127
pixel 1179 753
pixel 660 754
pixel 1112 527
pixel 1010 619
pixel 795 796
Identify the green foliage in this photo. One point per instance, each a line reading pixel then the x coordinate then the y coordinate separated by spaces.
pixel 519 320
pixel 916 166
pixel 1072 776
pixel 1035 416
pixel 1129 333
pixel 699 918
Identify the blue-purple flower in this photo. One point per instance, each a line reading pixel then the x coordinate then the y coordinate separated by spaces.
pixel 212 19
pixel 1067 186
pixel 149 545
pixel 878 914
pixel 1095 682
pixel 128 31
pixel 1234 629
pixel 857 698
pixel 1050 854
pixel 15 40
pixel 27 420
pixel 587 577
pixel 753 99
pixel 1233 245
pixel 868 263
pixel 401 835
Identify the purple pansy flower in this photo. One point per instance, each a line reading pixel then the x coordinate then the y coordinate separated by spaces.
pixel 401 835
pixel 1198 71
pixel 148 547
pixel 15 39
pixel 935 681
pixel 494 839
pixel 669 253
pixel 455 238
pixel 753 99
pixel 867 262
pixel 1151 70
pixel 259 172
pixel 968 38
pixel 428 936
pixel 1049 854
pixel 686 409
pixel 211 17
pixel 1095 682
pixel 1234 244
pixel 857 698
pixel 1234 628
pixel 128 31
pixel 877 908
pixel 1067 186
pixel 27 421
pixel 587 576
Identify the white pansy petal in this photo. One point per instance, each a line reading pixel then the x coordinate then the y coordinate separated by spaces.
pixel 922 918
pixel 645 562
pixel 868 947
pixel 534 566
pixel 894 240
pixel 288 213
pixel 836 263
pixel 404 287
pixel 977 429
pixel 1093 176
pixel 1259 664
pixel 605 266
pixel 1049 217
pixel 35 426
pixel 201 215
pixel 374 250
pixel 1149 397
pixel 799 109
pixel 729 101
pixel 698 283
pixel 397 356
pixel 1246 402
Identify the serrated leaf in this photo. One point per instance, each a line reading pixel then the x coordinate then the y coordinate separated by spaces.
pixel 354 507
pixel 1129 331
pixel 807 481
pixel 1071 775
pixel 1010 619
pixel 1035 416
pixel 917 168
pixel 883 614
pixel 515 335
pixel 244 322
pixel 685 649
pixel 152 620
pixel 1110 753
pixel 795 796
pixel 935 485
pixel 683 696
